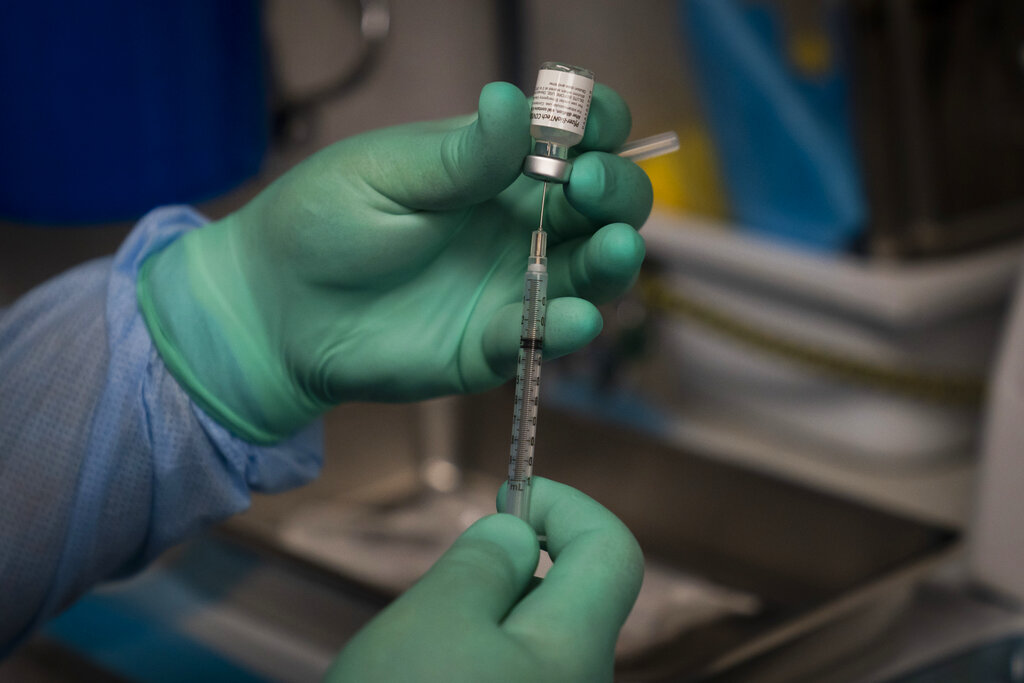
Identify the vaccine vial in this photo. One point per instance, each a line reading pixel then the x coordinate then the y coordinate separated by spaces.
pixel 558 117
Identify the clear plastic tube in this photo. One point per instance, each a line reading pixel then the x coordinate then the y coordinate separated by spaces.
pixel 650 147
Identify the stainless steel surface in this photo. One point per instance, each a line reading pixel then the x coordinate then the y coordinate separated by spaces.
pixel 832 576
pixel 278 598
pixel 946 620
pixel 265 616
pixel 817 564
pixel 810 558
pixel 997 535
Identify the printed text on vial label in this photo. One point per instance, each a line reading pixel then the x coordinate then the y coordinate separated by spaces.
pixel 561 105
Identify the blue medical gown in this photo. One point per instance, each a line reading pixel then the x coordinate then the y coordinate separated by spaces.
pixel 105 462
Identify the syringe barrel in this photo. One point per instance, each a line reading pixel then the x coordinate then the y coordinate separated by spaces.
pixel 524 427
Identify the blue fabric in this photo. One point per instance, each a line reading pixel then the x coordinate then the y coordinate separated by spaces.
pixel 121 640
pixel 105 462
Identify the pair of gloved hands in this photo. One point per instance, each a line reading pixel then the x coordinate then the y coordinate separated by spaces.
pixel 389 267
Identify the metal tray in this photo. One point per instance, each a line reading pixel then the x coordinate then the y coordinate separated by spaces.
pixel 811 559
pixel 826 574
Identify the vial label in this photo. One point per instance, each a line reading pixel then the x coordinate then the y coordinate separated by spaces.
pixel 561 100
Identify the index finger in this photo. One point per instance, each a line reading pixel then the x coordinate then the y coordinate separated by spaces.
pixel 608 122
pixel 583 601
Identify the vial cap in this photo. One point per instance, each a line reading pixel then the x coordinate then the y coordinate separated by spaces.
pixel 548 169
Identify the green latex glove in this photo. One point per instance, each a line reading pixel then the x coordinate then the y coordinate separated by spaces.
pixel 389 267
pixel 474 617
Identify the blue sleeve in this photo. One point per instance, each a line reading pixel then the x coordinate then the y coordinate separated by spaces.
pixel 105 462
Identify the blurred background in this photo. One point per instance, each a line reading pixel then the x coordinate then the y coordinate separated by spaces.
pixel 793 409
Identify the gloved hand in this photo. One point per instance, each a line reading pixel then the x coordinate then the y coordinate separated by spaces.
pixel 389 267
pixel 473 615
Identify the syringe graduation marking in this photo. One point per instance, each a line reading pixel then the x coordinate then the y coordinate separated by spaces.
pixel 531 344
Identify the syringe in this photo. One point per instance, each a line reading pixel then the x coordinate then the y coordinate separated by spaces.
pixel 531 346
pixel 531 340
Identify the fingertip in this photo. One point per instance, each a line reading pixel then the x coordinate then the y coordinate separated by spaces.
pixel 514 537
pixel 607 263
pixel 609 121
pixel 501 138
pixel 572 323
pixel 479 578
pixel 585 320
pixel 503 110
pixel 565 514
pixel 594 554
pixel 590 174
pixel 616 250
pixel 478 160
pixel 499 501
pixel 607 188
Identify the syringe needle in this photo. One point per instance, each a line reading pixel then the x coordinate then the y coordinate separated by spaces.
pixel 543 197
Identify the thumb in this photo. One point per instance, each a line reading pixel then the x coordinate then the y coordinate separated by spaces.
pixel 454 163
pixel 483 574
